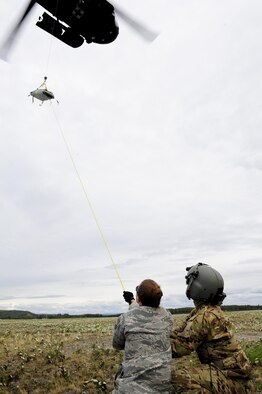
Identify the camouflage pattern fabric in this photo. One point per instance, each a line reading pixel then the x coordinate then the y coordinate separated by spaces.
pixel 225 367
pixel 207 379
pixel 144 335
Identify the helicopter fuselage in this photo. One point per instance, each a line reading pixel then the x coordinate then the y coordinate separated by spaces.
pixel 76 21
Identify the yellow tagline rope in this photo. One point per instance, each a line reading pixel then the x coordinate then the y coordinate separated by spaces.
pixel 87 198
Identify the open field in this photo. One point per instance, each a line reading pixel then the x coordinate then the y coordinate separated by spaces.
pixel 74 356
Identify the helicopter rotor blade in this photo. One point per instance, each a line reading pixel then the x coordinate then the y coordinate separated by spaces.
pixel 8 43
pixel 142 30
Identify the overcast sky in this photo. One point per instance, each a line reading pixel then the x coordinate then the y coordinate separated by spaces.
pixel 167 140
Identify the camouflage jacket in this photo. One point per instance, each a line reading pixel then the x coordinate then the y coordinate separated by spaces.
pixel 144 335
pixel 209 332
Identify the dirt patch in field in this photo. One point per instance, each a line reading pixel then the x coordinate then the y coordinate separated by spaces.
pixel 249 336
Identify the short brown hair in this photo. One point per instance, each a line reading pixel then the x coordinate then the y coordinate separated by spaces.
pixel 149 293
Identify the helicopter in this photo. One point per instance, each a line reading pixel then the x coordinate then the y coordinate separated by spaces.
pixel 77 21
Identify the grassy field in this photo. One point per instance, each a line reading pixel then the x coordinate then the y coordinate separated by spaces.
pixel 74 356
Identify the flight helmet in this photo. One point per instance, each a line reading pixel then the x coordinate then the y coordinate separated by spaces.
pixel 205 283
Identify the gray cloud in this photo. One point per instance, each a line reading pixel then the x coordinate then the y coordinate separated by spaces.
pixel 6 298
pixel 166 138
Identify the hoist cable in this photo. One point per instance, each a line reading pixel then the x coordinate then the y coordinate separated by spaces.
pixel 52 37
pixel 86 197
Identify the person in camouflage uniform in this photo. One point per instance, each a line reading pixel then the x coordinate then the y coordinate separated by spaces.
pixel 144 335
pixel 224 367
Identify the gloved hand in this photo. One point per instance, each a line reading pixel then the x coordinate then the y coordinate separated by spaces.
pixel 128 296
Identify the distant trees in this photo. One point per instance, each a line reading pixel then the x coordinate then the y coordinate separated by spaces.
pixel 241 307
pixel 175 311
pixel 229 308
pixel 178 311
pixel 17 315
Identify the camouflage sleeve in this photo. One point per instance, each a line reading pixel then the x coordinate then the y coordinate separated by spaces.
pixel 119 335
pixel 184 323
pixel 192 333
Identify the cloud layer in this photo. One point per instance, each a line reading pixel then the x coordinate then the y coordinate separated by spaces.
pixel 166 139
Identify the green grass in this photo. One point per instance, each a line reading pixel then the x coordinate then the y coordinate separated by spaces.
pixel 254 353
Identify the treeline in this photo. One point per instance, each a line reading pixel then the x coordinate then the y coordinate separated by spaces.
pixel 175 311
pixel 64 315
pixel 241 307
pixel 229 308
pixel 17 315
pixel 29 315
